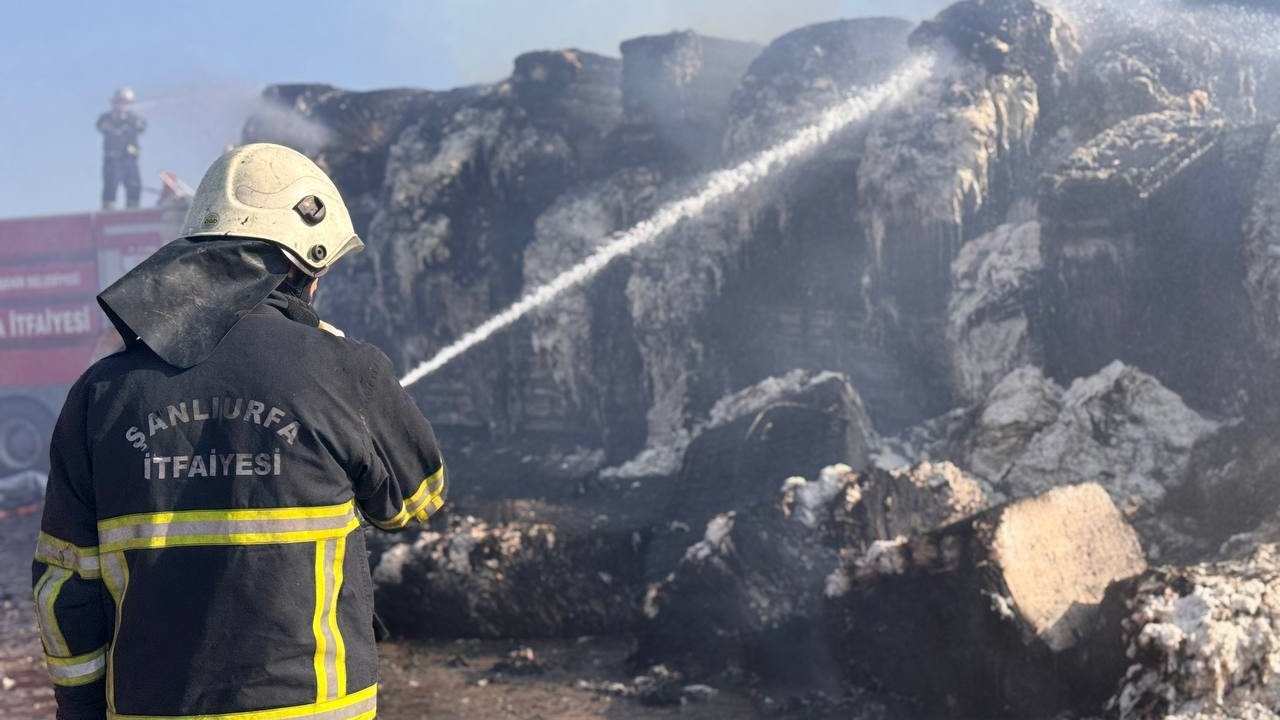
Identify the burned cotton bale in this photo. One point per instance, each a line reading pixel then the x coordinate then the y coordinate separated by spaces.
pixel 514 580
pixel 994 615
pixel 908 501
pixel 747 598
pixel 779 428
pixel 741 600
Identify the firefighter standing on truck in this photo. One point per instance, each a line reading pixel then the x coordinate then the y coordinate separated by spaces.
pixel 120 127
pixel 201 552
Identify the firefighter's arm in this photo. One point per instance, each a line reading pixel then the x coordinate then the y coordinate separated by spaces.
pixel 103 123
pixel 403 480
pixel 66 573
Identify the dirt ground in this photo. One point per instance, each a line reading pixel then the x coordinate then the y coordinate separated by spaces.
pixel 571 679
pixel 24 687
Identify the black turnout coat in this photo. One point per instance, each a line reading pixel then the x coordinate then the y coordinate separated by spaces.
pixel 202 552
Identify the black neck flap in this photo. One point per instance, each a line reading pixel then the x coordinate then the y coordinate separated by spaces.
pixel 188 295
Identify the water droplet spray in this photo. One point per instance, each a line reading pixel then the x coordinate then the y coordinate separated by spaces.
pixel 717 186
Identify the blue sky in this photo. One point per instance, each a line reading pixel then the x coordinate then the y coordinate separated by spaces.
pixel 197 68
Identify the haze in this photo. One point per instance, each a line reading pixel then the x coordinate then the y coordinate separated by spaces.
pixel 198 73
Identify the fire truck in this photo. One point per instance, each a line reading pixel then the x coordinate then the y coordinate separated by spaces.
pixel 51 328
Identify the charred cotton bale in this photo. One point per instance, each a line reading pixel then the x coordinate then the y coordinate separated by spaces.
pixel 740 601
pixel 755 439
pixel 1140 269
pixel 1007 36
pixel 908 501
pixel 513 580
pixel 1205 641
pixel 1119 427
pixel 675 94
pixel 807 71
pixel 995 615
pixel 747 597
pixel 993 312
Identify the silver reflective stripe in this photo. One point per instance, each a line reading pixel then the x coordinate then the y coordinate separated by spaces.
pixel 55 551
pixel 115 575
pixel 325 605
pixel 354 710
pixel 427 494
pixel 46 596
pixel 78 670
pixel 221 528
pixel 226 527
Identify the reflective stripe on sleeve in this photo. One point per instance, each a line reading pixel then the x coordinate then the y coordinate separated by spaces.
pixel 60 553
pixel 115 575
pixel 46 595
pixel 227 527
pixel 356 706
pixel 78 670
pixel 428 498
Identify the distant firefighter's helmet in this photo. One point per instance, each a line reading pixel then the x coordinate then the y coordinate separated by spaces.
pixel 122 96
pixel 269 192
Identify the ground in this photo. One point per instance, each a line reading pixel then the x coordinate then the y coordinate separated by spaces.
pixel 437 680
pixel 24 687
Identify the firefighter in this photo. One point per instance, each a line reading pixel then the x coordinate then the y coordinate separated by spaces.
pixel 120 127
pixel 201 551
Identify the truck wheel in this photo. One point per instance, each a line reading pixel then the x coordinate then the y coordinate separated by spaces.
pixel 25 429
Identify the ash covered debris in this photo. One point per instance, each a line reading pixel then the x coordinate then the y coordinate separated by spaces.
pixel 1203 639
pixel 1047 276
pixel 994 312
pixel 746 600
pixel 755 439
pixel 994 615
pixel 510 580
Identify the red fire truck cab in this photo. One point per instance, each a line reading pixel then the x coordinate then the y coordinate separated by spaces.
pixel 51 328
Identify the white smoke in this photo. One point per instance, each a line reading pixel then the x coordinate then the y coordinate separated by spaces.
pixel 1249 32
pixel 718 186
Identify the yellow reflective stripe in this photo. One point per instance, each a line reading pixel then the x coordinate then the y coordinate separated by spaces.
pixel 339 647
pixel 429 491
pixel 356 706
pixel 421 504
pixel 56 551
pixel 115 575
pixel 227 527
pixel 46 595
pixel 78 670
pixel 330 661
pixel 429 497
pixel 434 503
pixel 318 626
pixel 396 523
pixel 276 538
pixel 291 513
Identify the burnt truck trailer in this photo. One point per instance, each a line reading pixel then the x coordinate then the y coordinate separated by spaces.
pixel 51 328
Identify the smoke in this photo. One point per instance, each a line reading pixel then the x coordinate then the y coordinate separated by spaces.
pixel 1249 32
pixel 717 186
pixel 191 123
pixel 273 121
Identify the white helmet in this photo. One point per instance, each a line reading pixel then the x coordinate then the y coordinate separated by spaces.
pixel 122 96
pixel 269 192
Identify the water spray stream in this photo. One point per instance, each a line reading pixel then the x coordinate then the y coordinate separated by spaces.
pixel 717 186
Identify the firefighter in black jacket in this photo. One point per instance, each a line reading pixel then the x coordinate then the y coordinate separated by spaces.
pixel 120 128
pixel 201 552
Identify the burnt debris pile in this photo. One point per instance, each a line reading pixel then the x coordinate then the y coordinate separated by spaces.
pixel 904 424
